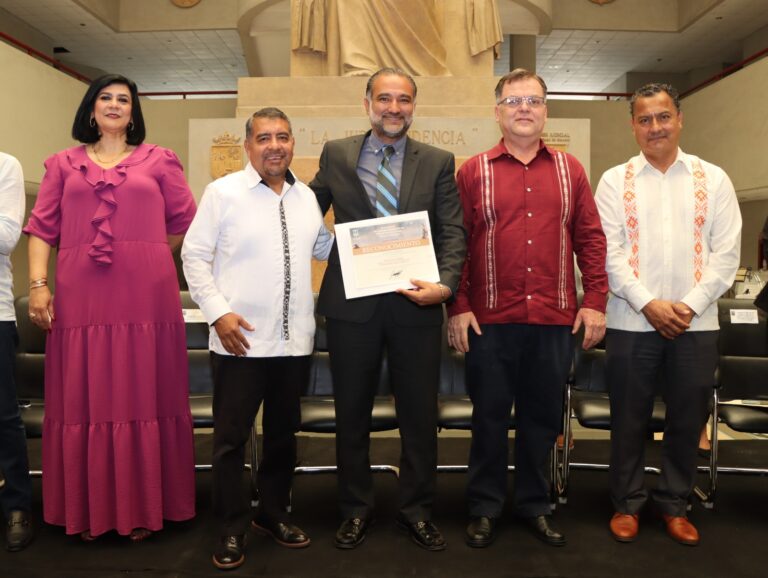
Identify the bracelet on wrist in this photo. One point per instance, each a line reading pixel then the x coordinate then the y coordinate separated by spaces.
pixel 41 282
pixel 443 289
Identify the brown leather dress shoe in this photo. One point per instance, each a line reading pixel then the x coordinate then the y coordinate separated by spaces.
pixel 681 530
pixel 624 527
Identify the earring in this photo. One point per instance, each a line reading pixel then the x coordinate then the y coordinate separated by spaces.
pixel 93 122
pixel 130 126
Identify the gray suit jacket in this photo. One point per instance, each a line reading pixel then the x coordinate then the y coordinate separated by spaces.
pixel 428 184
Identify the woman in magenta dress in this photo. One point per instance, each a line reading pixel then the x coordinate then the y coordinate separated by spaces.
pixel 117 437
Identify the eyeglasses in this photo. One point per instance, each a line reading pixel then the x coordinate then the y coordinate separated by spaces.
pixel 515 101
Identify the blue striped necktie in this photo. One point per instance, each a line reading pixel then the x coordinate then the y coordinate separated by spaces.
pixel 386 186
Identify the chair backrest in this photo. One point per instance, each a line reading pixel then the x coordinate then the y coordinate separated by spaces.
pixel 30 354
pixel 589 370
pixel 320 381
pixel 200 378
pixel 321 335
pixel 197 333
pixel 452 372
pixel 743 368
pixel 588 367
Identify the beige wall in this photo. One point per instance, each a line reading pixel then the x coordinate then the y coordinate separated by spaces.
pixel 727 124
pixel 37 105
pixel 168 120
pixel 36 116
pixel 610 135
pixel 753 213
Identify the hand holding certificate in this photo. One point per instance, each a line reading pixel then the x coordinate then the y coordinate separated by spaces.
pixel 383 255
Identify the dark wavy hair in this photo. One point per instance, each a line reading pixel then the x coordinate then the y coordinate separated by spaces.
pixel 651 89
pixel 389 71
pixel 85 133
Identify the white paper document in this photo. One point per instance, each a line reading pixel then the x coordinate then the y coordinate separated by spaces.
pixel 193 316
pixel 744 316
pixel 384 254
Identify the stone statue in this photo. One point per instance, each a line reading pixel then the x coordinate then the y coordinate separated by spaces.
pixel 357 37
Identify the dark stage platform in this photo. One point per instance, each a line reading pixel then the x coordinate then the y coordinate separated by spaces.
pixel 734 536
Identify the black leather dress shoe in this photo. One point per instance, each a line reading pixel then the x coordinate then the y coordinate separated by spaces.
pixel 284 534
pixel 481 532
pixel 544 529
pixel 424 533
pixel 229 554
pixel 19 532
pixel 351 533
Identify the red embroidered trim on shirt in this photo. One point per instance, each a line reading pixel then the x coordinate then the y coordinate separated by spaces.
pixel 630 212
pixel 564 180
pixel 699 217
pixel 700 198
pixel 489 215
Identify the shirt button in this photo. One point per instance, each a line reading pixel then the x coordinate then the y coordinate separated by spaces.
pixel 526 167
pixel 529 269
pixel 530 242
pixel 528 189
pixel 528 297
pixel 530 214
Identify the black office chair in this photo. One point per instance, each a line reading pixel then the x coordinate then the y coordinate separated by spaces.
pixel 318 411
pixel 201 385
pixel 586 399
pixel 454 410
pixel 30 372
pixel 742 375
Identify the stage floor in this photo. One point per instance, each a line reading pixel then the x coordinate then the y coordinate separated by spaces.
pixel 733 543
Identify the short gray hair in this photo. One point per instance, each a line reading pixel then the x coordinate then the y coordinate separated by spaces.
pixel 516 75
pixel 269 112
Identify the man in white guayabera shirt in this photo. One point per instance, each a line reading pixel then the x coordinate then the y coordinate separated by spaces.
pixel 673 228
pixel 247 259
pixel 15 497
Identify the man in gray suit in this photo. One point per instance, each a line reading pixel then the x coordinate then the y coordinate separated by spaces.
pixel 381 173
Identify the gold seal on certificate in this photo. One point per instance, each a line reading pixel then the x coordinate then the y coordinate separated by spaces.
pixel 384 254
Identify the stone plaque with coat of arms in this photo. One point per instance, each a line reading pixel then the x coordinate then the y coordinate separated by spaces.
pixel 226 155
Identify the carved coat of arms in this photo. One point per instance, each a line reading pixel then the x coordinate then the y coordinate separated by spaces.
pixel 226 155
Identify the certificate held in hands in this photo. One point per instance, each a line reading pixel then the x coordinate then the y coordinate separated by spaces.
pixel 384 254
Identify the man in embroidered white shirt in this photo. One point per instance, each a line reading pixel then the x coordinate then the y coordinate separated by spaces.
pixel 16 494
pixel 247 260
pixel 673 228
